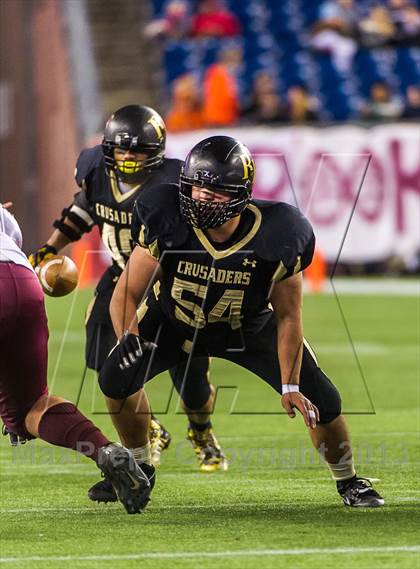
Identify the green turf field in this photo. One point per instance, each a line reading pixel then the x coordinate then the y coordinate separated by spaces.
pixel 276 506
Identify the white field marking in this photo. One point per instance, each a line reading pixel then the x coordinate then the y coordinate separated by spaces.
pixel 217 554
pixel 385 286
pixel 406 499
pixel 74 337
pixel 93 508
pixel 363 348
pixel 156 508
pixel 55 472
pixel 393 500
pixel 281 438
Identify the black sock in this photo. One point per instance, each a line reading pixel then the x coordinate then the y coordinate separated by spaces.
pixel 200 426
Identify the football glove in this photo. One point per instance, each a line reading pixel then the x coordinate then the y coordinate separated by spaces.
pixel 42 254
pixel 131 349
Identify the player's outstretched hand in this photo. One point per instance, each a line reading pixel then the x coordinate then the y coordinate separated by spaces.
pixel 296 400
pixel 42 254
pixel 131 348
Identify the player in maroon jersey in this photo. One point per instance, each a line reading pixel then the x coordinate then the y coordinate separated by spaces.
pixel 26 408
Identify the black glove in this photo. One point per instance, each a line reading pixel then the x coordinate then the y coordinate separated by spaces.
pixel 41 255
pixel 131 348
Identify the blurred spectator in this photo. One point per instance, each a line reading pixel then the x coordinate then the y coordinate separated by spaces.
pixel 269 109
pixel 382 105
pixel 340 15
pixel 406 19
pixel 410 25
pixel 264 105
pixel 378 28
pixel 335 32
pixel 301 107
pixel 212 19
pixel 186 112
pixel 220 90
pixel 396 11
pixel 174 24
pixel 412 106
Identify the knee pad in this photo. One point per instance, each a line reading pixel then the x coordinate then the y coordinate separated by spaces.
pixel 116 383
pixel 329 400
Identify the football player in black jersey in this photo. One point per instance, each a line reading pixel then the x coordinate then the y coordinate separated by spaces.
pixel 130 159
pixel 229 271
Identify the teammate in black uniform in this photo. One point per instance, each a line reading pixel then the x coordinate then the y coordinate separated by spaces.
pixel 130 159
pixel 220 258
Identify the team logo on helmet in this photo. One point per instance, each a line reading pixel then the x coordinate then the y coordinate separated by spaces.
pixel 249 166
pixel 158 124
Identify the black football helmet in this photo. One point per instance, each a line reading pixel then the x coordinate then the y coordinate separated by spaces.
pixel 220 164
pixel 137 128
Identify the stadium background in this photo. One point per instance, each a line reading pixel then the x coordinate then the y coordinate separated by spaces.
pixel 69 64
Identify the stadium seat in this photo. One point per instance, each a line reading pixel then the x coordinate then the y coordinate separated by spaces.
pixel 275 38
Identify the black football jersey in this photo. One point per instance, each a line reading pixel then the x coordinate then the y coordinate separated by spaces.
pixel 101 201
pixel 213 290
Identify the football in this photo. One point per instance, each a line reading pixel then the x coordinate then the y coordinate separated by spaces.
pixel 58 275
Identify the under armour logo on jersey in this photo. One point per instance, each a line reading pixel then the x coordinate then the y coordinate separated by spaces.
pixel 247 262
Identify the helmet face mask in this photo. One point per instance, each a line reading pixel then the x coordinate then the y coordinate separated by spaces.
pixel 127 165
pixel 219 164
pixel 137 129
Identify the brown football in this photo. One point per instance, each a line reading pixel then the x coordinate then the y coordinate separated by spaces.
pixel 58 275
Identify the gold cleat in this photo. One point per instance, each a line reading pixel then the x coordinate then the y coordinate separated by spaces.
pixel 207 449
pixel 159 440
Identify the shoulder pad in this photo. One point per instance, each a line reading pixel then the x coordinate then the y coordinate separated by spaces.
pixel 168 172
pixel 156 216
pixel 89 159
pixel 285 235
pixel 173 164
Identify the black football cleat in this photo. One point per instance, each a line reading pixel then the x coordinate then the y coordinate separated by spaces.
pixel 359 493
pixel 131 484
pixel 15 440
pixel 102 491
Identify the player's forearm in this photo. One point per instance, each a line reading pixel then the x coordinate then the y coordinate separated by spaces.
pixel 58 240
pixel 290 348
pixel 123 310
pixel 139 275
pixel 286 298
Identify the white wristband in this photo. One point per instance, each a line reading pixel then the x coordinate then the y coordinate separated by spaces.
pixel 289 388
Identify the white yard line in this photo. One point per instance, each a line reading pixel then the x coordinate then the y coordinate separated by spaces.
pixel 155 508
pixel 217 554
pixel 385 286
pixel 93 509
pixel 363 348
